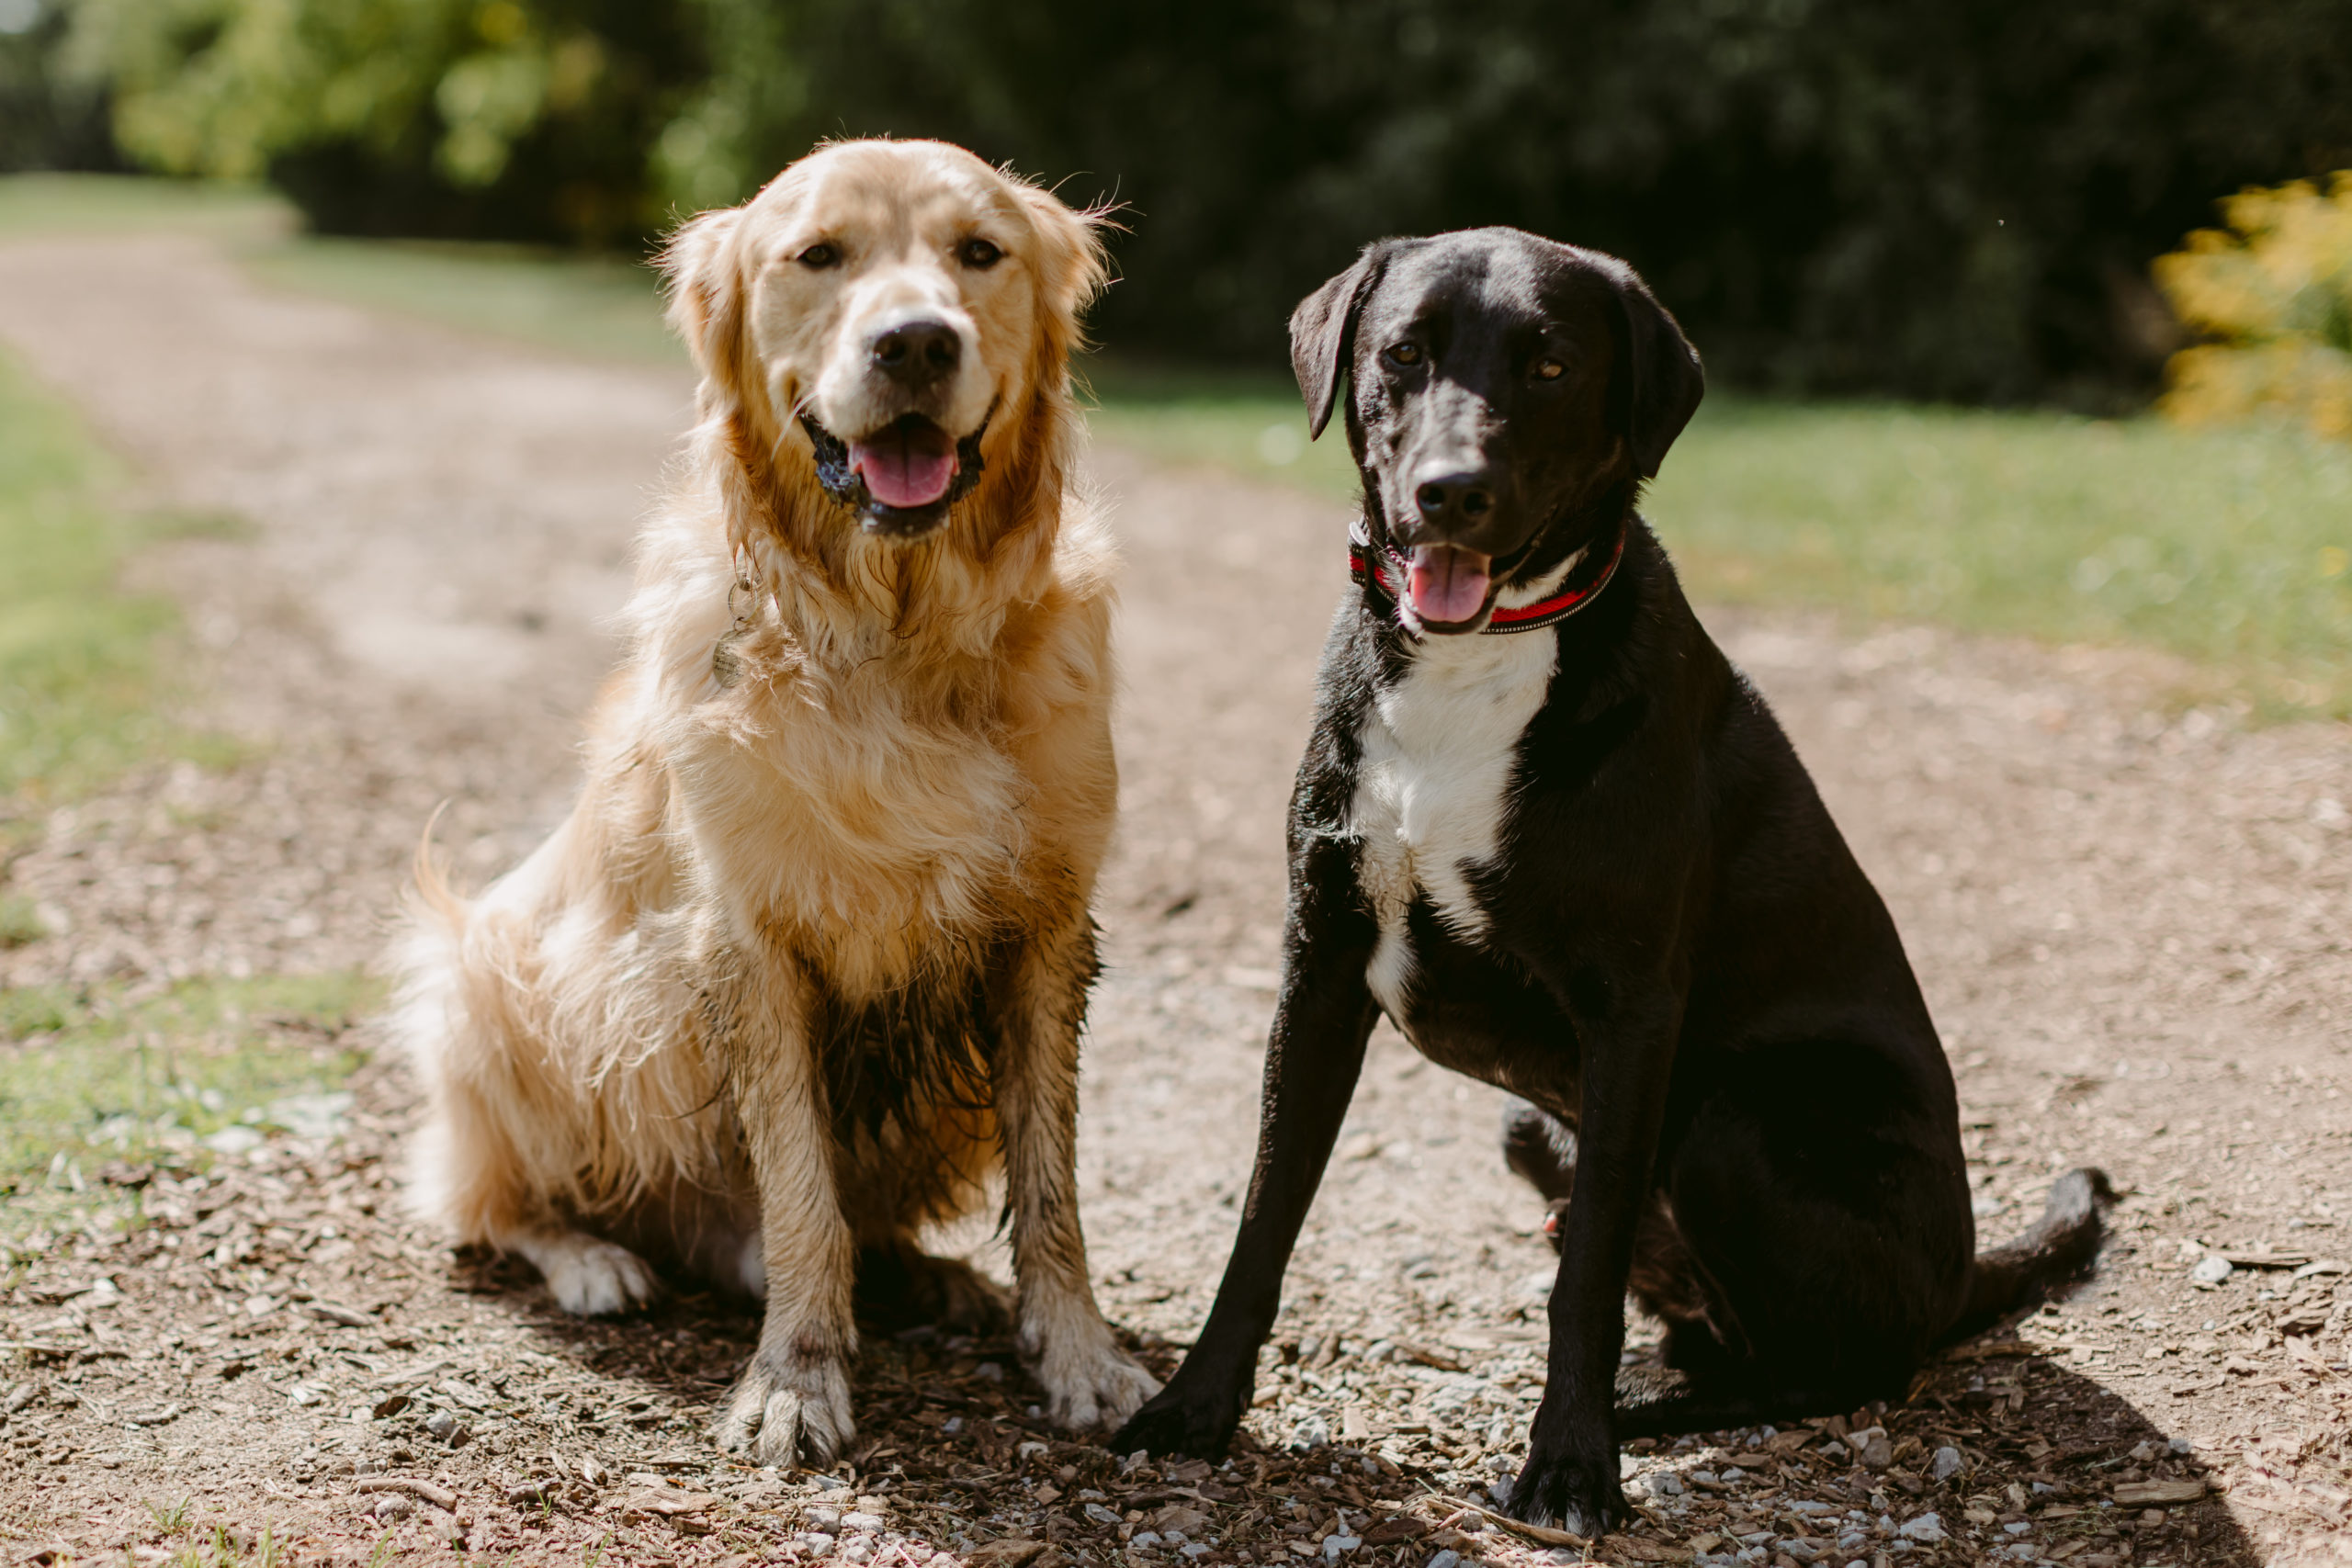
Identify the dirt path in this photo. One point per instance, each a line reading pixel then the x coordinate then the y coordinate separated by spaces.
pixel 2131 924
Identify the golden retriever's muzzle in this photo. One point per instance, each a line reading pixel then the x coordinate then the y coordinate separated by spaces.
pixel 902 475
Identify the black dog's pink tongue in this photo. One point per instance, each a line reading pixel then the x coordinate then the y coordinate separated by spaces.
pixel 1447 584
pixel 910 463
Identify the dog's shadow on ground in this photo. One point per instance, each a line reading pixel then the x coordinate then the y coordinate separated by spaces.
pixel 2094 1479
pixel 953 1451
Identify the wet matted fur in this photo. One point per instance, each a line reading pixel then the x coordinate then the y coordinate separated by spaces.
pixel 806 965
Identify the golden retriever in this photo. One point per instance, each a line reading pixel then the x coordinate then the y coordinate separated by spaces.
pixel 805 966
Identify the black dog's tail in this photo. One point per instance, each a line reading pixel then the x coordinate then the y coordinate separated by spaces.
pixel 2059 1247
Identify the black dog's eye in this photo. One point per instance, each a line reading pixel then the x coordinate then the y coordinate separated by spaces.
pixel 1549 370
pixel 978 255
pixel 1405 354
pixel 819 256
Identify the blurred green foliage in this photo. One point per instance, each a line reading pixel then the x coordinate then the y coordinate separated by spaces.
pixel 517 119
pixel 1953 201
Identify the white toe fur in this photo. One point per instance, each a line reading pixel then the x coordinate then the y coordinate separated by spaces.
pixel 587 1277
pixel 1089 1382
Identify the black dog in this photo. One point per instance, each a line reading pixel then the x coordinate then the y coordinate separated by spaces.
pixel 1580 859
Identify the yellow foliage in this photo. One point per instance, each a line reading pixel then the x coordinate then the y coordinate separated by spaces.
pixel 2274 293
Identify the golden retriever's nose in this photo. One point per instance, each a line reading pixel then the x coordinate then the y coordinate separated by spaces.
pixel 916 354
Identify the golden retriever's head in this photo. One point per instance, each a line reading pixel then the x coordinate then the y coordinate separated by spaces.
pixel 887 312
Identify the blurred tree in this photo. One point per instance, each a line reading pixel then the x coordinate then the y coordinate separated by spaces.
pixel 47 119
pixel 1836 194
pixel 505 119
pixel 1954 201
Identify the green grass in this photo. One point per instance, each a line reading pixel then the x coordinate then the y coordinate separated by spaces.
pixel 91 1075
pixel 598 308
pixel 113 204
pixel 2229 548
pixel 78 666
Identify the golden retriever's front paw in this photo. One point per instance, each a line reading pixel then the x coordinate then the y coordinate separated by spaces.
pixel 1089 1382
pixel 789 1409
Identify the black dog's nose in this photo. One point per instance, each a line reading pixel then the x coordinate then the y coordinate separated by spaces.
pixel 916 354
pixel 1455 498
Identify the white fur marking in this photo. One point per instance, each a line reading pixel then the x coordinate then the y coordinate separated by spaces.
pixel 1437 758
pixel 587 1277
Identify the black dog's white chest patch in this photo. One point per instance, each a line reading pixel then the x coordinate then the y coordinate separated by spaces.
pixel 1437 758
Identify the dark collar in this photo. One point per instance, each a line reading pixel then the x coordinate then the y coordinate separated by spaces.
pixel 1381 569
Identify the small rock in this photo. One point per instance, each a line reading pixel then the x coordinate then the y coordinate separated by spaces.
pixel 234 1141
pixel 1143 1540
pixel 816 1543
pixel 826 1520
pixel 1101 1515
pixel 1446 1559
pixel 862 1521
pixel 1946 1465
pixel 392 1508
pixel 1196 1549
pixel 1665 1483
pixel 1926 1528
pixel 1336 1546
pixel 2212 1271
pixel 1872 1446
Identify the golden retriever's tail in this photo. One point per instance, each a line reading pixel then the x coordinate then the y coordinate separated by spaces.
pixel 434 898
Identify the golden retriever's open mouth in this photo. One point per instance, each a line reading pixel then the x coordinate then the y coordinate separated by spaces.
pixel 899 480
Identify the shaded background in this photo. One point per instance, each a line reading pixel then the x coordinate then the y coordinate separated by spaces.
pixel 1955 202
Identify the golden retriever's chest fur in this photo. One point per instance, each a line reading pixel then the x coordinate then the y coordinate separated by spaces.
pixel 869 816
pixel 886 806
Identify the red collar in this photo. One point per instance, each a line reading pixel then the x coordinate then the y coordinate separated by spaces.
pixel 1379 576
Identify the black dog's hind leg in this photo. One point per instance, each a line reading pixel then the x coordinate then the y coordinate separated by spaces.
pixel 1542 1149
pixel 1313 1057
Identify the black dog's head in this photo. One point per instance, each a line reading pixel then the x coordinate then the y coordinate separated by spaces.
pixel 1509 396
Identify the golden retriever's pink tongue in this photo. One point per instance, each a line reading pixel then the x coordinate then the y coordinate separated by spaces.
pixel 908 464
pixel 1447 584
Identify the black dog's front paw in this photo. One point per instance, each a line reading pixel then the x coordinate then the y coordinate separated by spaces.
pixel 1180 1420
pixel 1567 1492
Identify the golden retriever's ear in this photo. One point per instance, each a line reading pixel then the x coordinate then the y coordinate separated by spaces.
pixel 1073 268
pixel 706 285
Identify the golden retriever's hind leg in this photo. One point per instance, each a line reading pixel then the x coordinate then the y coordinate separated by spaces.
pixel 587 1277
pixel 472 1171
pixel 791 1405
pixel 1089 1382
pixel 899 1286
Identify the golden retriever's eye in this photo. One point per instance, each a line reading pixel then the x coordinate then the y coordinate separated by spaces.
pixel 819 256
pixel 978 255
pixel 1549 370
pixel 1405 354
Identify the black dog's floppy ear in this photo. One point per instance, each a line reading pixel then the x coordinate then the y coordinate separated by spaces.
pixel 1323 330
pixel 1664 380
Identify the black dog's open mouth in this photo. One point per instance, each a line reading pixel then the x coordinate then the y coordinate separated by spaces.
pixel 1448 586
pixel 901 478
